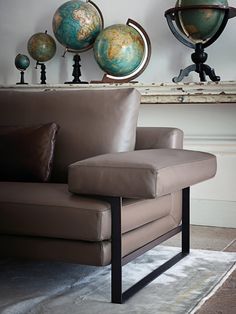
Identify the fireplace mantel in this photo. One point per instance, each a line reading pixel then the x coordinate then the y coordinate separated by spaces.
pixel 165 93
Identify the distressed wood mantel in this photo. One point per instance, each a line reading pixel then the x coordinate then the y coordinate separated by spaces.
pixel 165 93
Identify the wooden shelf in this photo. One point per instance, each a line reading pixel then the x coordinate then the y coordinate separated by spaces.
pixel 165 93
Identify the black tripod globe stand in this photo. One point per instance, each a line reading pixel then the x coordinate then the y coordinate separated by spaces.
pixel 199 57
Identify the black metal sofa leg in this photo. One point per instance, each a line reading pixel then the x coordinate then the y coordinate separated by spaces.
pixel 186 221
pixel 116 252
pixel 117 296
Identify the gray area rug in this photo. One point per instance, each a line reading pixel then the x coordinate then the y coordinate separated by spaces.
pixel 43 287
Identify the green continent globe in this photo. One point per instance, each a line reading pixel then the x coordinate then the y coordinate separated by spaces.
pixel 76 24
pixel 200 24
pixel 119 50
pixel 41 47
pixel 22 62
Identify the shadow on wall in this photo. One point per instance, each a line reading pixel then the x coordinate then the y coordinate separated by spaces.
pixel 64 63
pixel 4 73
pixel 90 66
pixel 163 40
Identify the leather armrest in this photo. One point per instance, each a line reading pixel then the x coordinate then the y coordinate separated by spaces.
pixel 140 174
pixel 158 137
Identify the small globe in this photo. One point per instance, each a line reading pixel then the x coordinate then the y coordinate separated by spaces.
pixel 41 47
pixel 76 24
pixel 199 25
pixel 119 50
pixel 22 62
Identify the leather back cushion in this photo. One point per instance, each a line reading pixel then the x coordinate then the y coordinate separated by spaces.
pixel 27 152
pixel 92 122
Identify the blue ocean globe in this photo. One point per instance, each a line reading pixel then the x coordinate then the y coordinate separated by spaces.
pixel 119 50
pixel 76 24
pixel 200 24
pixel 22 62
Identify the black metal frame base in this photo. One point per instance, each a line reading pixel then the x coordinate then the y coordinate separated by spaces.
pixel 117 296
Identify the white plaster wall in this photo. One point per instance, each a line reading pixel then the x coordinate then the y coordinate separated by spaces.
pixel 209 128
pixel 21 19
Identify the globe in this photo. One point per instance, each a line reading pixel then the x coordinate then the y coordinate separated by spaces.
pixel 41 47
pixel 199 25
pixel 119 50
pixel 76 24
pixel 22 62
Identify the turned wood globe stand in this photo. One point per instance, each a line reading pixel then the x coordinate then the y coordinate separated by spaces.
pixel 76 71
pixel 199 57
pixel 42 73
pixel 22 79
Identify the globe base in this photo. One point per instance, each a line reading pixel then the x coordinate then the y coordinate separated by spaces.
pixel 42 72
pixel 22 79
pixel 199 57
pixel 76 71
pixel 76 82
pixel 107 80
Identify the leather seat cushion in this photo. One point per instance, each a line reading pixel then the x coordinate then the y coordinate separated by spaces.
pixel 82 252
pixel 49 210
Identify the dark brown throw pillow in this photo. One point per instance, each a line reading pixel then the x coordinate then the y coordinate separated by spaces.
pixel 26 153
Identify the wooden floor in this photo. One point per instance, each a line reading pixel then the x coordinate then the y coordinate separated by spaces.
pixel 216 239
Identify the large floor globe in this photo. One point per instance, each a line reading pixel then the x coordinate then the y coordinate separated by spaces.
pixel 199 24
pixel 76 24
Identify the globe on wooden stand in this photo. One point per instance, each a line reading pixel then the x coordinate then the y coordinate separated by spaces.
pixel 122 51
pixel 42 48
pixel 22 62
pixel 76 24
pixel 197 26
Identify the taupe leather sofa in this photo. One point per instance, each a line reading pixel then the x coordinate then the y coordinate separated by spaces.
pixel 123 194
